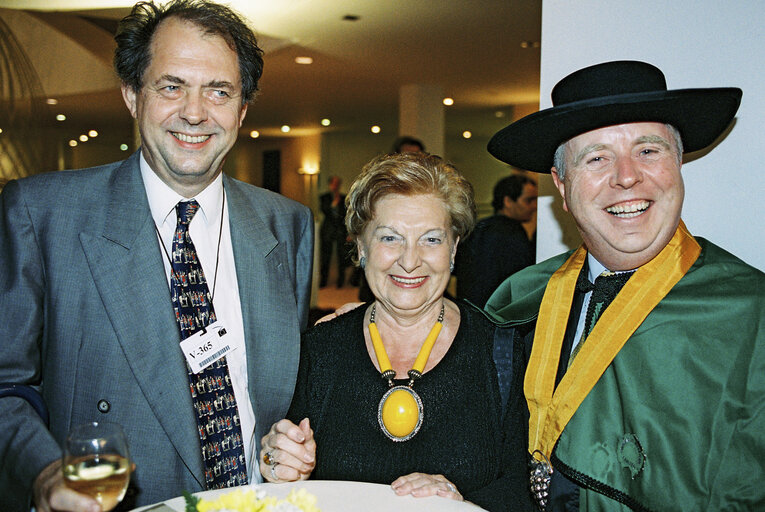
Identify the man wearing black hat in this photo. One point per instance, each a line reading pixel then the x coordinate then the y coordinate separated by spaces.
pixel 644 348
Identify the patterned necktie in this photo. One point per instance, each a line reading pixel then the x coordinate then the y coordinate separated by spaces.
pixel 607 285
pixel 220 435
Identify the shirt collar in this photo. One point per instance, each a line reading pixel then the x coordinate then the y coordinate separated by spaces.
pixel 595 268
pixel 162 198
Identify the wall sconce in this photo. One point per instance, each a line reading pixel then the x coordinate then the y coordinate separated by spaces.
pixel 308 170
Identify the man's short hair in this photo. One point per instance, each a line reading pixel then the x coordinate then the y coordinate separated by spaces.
pixel 511 187
pixel 135 33
pixel 406 140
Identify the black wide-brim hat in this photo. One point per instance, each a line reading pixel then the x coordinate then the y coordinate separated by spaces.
pixel 614 93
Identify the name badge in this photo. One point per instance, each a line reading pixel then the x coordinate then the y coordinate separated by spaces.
pixel 204 347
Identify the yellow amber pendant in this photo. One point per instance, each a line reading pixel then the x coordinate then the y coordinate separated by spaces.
pixel 400 413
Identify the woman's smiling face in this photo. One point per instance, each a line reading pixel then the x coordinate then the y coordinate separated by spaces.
pixel 408 247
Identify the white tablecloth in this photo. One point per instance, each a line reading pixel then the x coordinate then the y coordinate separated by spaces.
pixel 337 496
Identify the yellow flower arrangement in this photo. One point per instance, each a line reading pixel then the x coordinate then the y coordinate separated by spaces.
pixel 298 500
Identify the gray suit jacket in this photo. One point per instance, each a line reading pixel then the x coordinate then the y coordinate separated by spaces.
pixel 86 318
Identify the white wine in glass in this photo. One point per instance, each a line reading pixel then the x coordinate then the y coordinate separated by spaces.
pixel 97 462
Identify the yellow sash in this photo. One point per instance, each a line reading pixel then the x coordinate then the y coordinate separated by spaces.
pixel 550 412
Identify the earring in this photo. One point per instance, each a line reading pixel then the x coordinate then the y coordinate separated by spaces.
pixel 363 262
pixel 451 267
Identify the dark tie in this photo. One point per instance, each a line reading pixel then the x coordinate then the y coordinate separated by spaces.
pixel 213 396
pixel 607 285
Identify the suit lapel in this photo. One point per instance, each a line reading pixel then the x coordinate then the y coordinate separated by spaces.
pixel 269 311
pixel 127 267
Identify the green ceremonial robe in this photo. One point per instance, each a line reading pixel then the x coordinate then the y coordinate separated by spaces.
pixel 677 421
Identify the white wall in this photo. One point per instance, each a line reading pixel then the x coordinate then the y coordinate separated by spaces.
pixel 705 43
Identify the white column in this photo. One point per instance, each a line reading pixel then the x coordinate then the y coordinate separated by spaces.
pixel 421 115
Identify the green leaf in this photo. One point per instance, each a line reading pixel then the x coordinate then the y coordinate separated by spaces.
pixel 191 501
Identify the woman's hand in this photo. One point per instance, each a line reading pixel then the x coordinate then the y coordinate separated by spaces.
pixel 421 484
pixel 288 452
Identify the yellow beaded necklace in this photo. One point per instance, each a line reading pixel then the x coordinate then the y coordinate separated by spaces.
pixel 400 412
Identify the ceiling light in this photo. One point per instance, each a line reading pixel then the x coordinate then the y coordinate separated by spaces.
pixel 72 143
pixel 303 60
pixel 499 114
pixel 448 102
pixel 254 134
pixel 467 134
pixel 1 130
pixel 83 138
pixel 60 117
pixel 375 129
pixel 93 133
pixel 286 129
pixel 325 122
pixel 123 147
pixel 51 101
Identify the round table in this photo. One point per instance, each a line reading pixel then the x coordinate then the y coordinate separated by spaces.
pixel 340 496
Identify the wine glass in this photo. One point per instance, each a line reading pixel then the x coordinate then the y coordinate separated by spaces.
pixel 97 462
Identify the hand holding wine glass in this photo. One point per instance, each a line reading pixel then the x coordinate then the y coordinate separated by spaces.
pixel 97 462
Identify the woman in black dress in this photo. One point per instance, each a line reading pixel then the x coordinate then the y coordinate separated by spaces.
pixel 405 389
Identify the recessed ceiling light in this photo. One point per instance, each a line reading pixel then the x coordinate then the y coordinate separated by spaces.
pixel 93 133
pixel 375 129
pixel 1 130
pixel 60 117
pixel 254 134
pixel 286 128
pixel 303 60
pixel 51 101
pixel 467 134
pixel 448 102
pixel 83 138
pixel 72 143
pixel 123 147
pixel 325 122
pixel 499 114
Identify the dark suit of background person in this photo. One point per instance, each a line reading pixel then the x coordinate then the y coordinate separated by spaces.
pixel 499 246
pixel 86 316
pixel 332 232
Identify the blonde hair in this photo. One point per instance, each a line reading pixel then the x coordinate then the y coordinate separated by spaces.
pixel 410 174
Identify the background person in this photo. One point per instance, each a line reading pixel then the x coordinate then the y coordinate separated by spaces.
pixel 656 401
pixel 408 144
pixel 406 215
pixel 93 302
pixel 332 233
pixel 499 246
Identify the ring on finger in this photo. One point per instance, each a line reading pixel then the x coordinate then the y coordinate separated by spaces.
pixel 451 487
pixel 273 471
pixel 268 459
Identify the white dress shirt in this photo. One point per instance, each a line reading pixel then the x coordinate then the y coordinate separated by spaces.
pixel 204 230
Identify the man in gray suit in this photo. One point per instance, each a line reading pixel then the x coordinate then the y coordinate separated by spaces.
pixel 89 302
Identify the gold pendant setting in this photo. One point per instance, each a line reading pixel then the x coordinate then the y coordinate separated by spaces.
pixel 400 413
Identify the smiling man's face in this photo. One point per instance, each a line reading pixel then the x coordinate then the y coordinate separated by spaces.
pixel 190 107
pixel 623 186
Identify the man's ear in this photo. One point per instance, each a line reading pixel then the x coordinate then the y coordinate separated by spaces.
pixel 560 186
pixel 242 113
pixel 130 97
